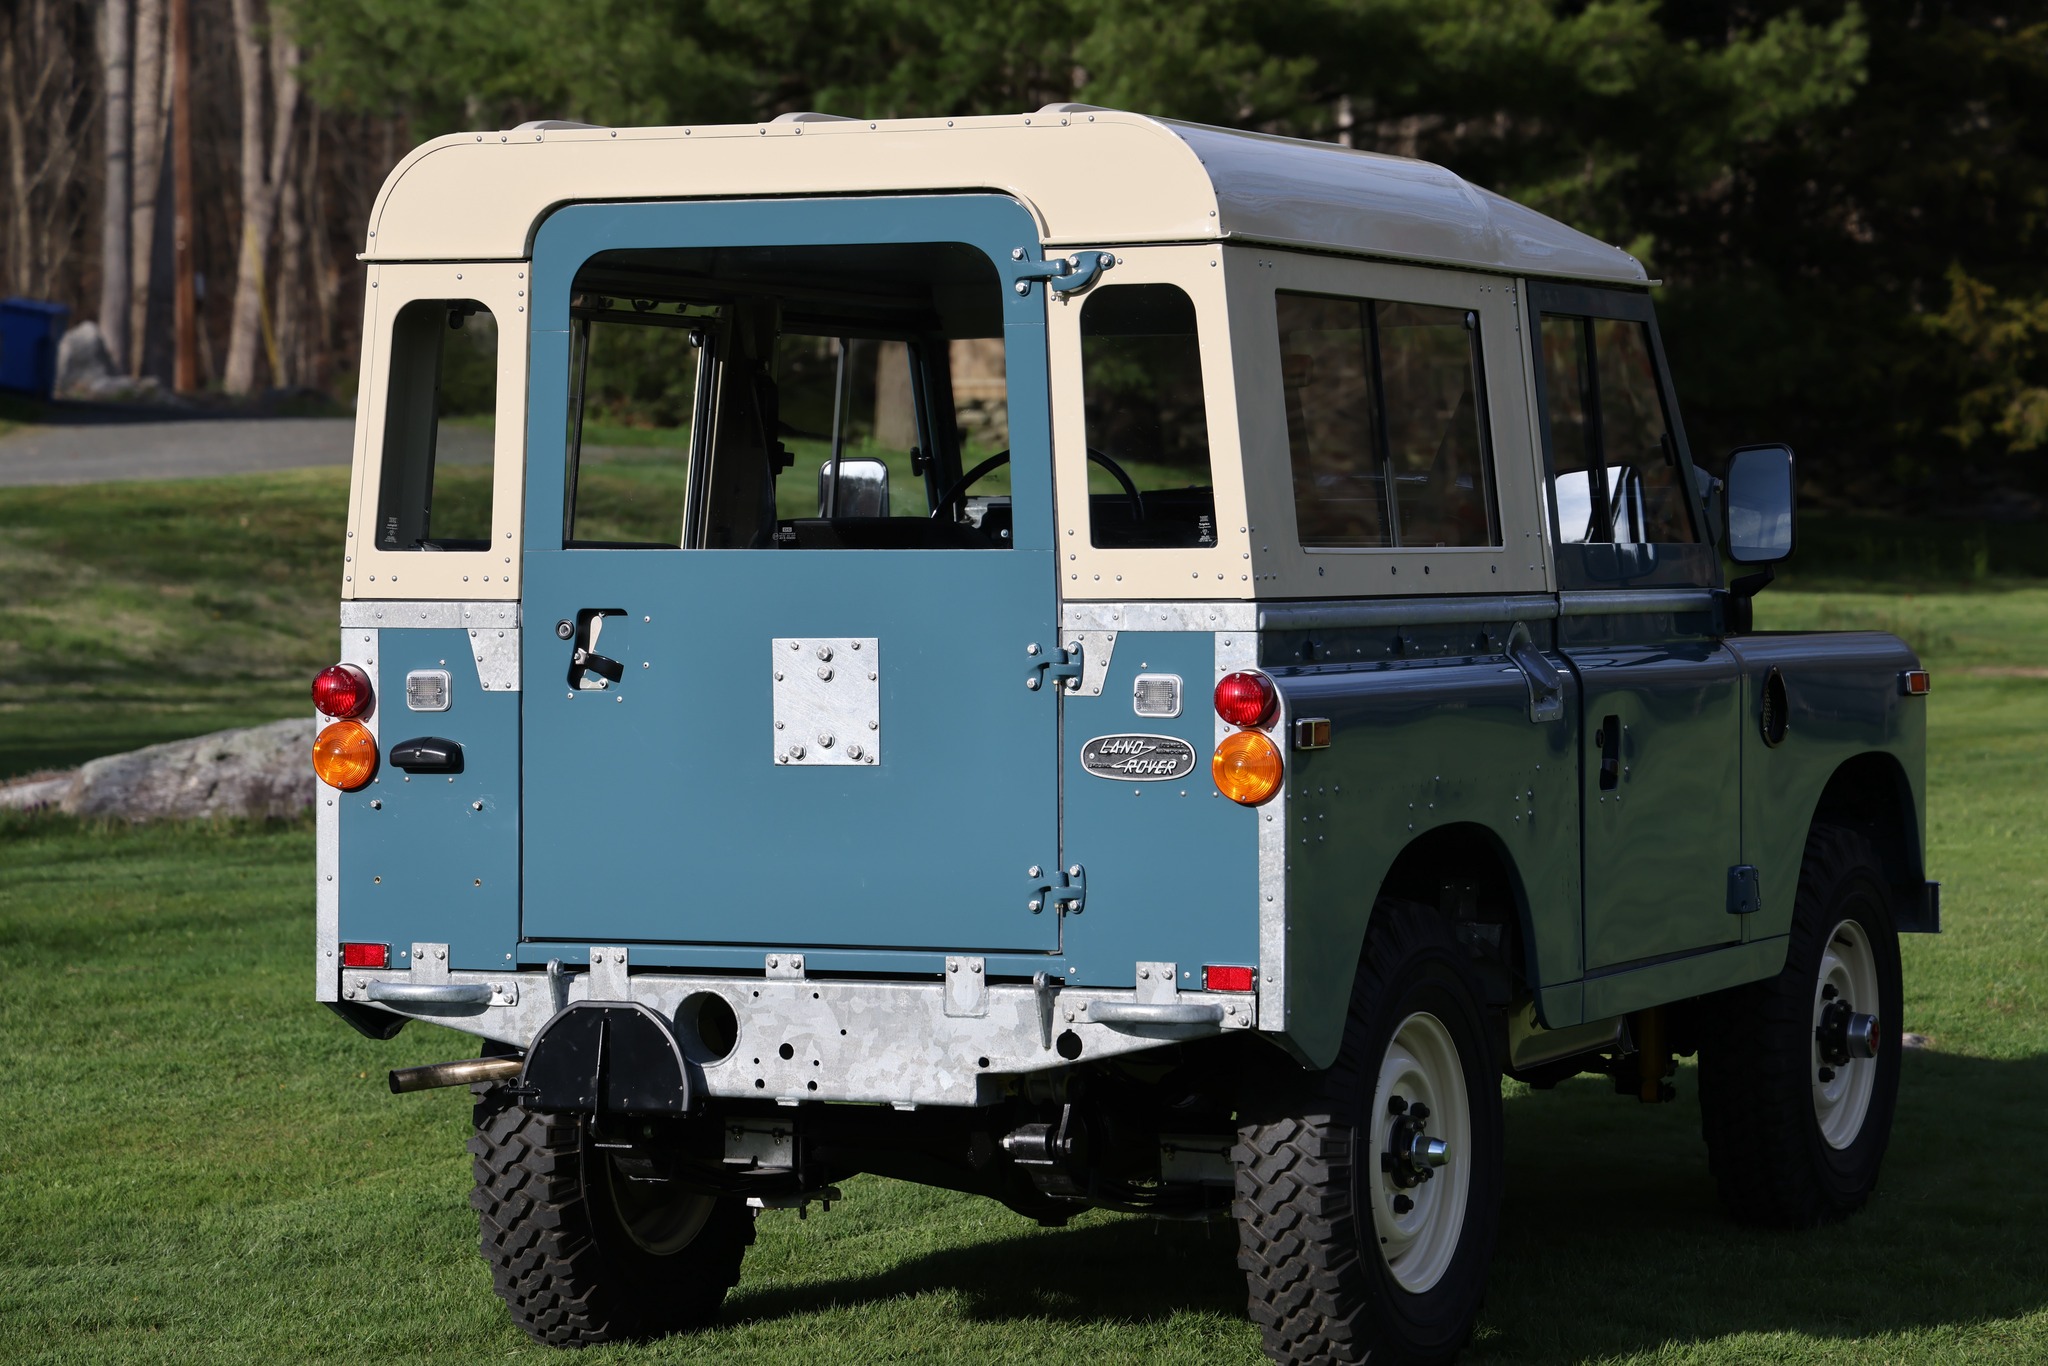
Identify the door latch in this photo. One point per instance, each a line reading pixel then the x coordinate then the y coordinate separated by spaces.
pixel 590 671
pixel 1065 892
pixel 1061 664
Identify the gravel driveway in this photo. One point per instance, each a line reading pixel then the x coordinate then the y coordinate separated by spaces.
pixel 93 448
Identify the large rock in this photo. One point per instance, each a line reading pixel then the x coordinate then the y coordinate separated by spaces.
pixel 265 771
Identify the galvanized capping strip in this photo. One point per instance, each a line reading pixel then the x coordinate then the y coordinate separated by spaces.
pixel 358 647
pixel 1158 616
pixel 1601 602
pixel 446 616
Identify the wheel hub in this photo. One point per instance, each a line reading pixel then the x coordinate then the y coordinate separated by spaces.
pixel 1417 1139
pixel 1411 1156
pixel 1844 1034
pixel 1845 1040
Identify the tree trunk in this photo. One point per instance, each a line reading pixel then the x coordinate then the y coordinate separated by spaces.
pixel 185 303
pixel 262 175
pixel 17 156
pixel 40 104
pixel 150 109
pixel 114 210
pixel 292 280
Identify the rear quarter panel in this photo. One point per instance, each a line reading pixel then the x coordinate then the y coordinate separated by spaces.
pixel 1844 700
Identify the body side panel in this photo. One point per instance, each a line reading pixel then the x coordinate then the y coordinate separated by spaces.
pixel 1415 747
pixel 1172 865
pixel 429 857
pixel 1844 700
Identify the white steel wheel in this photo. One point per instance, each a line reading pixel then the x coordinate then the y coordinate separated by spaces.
pixel 1847 982
pixel 1418 1188
pixel 660 1220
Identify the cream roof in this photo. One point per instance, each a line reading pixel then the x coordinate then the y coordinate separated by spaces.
pixel 1092 176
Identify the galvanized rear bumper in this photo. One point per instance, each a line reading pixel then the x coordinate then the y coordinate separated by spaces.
pixel 904 1043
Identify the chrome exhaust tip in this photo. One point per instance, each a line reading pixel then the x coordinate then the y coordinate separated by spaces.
pixel 466 1073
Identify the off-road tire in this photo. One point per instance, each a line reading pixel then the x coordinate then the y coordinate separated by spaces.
pixel 1319 1287
pixel 559 1254
pixel 1759 1110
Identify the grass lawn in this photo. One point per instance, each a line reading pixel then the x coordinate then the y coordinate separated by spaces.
pixel 203 1165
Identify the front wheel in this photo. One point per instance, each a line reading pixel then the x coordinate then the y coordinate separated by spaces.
pixel 583 1251
pixel 1367 1210
pixel 1799 1073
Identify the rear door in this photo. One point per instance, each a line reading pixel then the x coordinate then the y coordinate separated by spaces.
pixel 747 723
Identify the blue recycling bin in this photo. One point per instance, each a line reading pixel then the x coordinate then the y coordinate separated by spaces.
pixel 29 332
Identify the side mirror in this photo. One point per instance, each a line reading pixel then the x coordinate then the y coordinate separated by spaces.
pixel 1758 501
pixel 862 489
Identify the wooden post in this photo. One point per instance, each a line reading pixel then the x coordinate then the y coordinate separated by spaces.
pixel 185 312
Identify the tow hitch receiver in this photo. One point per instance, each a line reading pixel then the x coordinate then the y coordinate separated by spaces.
pixel 616 1056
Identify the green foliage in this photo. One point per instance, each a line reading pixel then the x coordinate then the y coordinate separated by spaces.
pixel 2004 344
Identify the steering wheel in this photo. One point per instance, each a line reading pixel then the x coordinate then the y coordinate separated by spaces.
pixel 964 482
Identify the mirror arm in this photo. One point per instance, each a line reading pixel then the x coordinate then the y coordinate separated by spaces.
pixel 1749 585
pixel 1738 601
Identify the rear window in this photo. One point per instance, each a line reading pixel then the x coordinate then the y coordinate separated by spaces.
pixel 440 428
pixel 788 398
pixel 1386 423
pixel 1150 481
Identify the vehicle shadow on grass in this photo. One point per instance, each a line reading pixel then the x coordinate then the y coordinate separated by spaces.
pixel 1122 1271
pixel 1613 1240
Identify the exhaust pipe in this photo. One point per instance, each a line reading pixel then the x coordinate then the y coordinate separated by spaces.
pixel 404 1079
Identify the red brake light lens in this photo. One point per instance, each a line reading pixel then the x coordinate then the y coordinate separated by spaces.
pixel 342 691
pixel 366 955
pixel 1245 699
pixel 1219 978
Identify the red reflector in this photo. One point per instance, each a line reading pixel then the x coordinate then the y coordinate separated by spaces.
pixel 1916 683
pixel 1244 699
pixel 366 955
pixel 342 691
pixel 1216 978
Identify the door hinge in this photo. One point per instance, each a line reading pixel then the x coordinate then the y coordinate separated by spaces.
pixel 1061 664
pixel 1065 892
pixel 1061 274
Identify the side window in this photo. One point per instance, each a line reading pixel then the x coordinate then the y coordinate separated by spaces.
pixel 434 490
pixel 1386 423
pixel 1150 481
pixel 1615 463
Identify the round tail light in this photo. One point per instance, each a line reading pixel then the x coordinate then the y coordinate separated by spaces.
pixel 1245 699
pixel 1247 767
pixel 342 691
pixel 345 755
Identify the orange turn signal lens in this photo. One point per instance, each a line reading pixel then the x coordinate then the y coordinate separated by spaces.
pixel 1247 767
pixel 345 755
